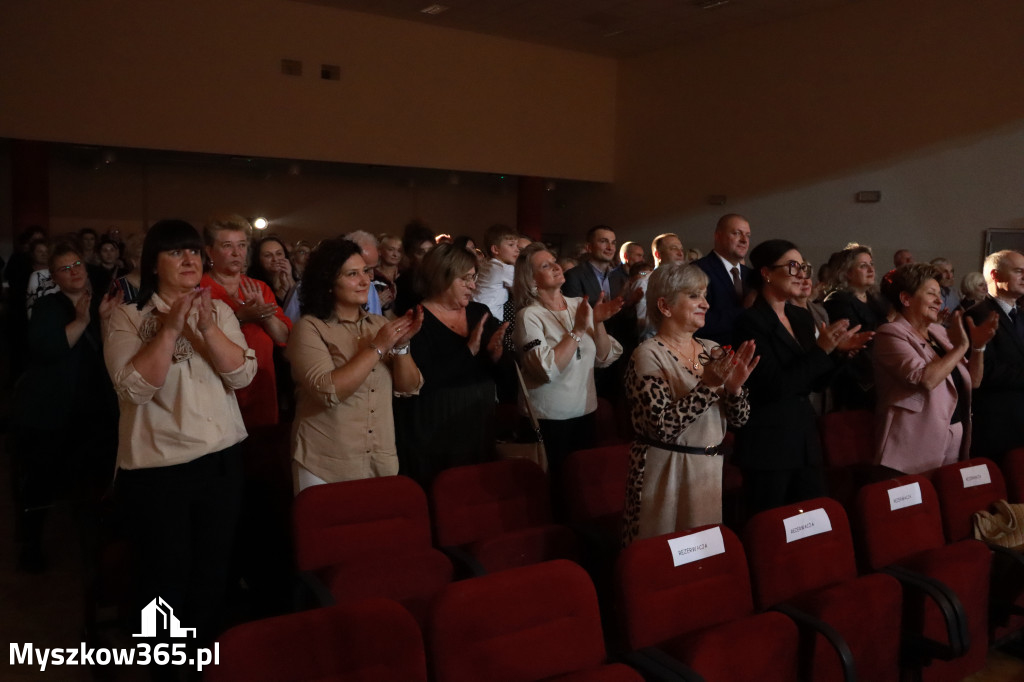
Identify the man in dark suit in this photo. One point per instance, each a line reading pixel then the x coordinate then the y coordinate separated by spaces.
pixel 590 278
pixel 596 273
pixel 728 278
pixel 999 402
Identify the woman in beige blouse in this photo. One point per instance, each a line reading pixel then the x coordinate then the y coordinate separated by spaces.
pixel 682 391
pixel 176 358
pixel 346 363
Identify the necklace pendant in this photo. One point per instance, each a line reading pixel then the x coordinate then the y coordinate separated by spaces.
pixel 579 356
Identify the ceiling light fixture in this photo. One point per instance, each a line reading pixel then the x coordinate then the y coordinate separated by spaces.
pixel 260 223
pixel 435 9
pixel 710 4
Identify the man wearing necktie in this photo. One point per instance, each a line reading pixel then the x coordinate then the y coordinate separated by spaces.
pixel 728 277
pixel 999 401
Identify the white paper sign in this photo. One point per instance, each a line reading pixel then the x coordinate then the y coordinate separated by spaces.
pixel 807 524
pixel 905 496
pixel 976 475
pixel 697 546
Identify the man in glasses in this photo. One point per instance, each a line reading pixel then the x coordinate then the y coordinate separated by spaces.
pixel 728 277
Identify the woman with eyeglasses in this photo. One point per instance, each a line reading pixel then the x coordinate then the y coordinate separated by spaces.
pixel 779 449
pixel 925 374
pixel 683 392
pixel 63 412
pixel 451 421
pixel 560 340
pixel 176 357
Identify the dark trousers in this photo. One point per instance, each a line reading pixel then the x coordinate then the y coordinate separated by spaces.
pixel 181 523
pixel 562 436
pixel 767 489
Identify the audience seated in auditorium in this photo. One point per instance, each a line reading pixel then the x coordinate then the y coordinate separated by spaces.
pixel 924 374
pixel 779 449
pixel 451 421
pixel 682 391
pixel 346 363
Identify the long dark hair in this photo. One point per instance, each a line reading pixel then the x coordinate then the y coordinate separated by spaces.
pixel 165 235
pixel 257 271
pixel 316 297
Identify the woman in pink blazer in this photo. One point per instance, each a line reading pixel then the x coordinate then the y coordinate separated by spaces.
pixel 923 375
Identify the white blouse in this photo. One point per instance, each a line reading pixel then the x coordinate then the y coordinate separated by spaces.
pixel 554 393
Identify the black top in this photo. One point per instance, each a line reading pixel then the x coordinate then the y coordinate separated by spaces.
pixel 443 356
pixel 844 305
pixel 782 430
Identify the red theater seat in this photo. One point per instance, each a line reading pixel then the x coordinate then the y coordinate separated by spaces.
pixel 499 514
pixel 375 640
pixel 370 538
pixel 702 612
pixel 901 530
pixel 817 575
pixel 526 624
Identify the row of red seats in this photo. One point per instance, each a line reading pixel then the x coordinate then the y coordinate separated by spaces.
pixel 527 624
pixel 792 605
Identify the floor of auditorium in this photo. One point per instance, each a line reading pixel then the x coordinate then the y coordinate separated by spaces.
pixel 46 609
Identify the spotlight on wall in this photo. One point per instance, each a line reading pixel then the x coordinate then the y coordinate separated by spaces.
pixel 260 223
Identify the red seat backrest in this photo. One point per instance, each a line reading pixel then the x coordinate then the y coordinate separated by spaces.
pixel 595 482
pixel 658 600
pixel 527 623
pixel 890 535
pixel 959 501
pixel 374 639
pixel 848 437
pixel 337 522
pixel 781 570
pixel 484 500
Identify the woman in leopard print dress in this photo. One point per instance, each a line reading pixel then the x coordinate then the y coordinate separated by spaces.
pixel 682 391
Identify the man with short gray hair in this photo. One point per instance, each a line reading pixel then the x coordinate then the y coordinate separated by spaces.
pixel 998 404
pixel 367 244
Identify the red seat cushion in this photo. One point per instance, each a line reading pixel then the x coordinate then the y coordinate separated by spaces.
pixel 526 546
pixel 758 648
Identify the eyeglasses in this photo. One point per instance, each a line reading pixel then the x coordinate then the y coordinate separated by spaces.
pixel 795 269
pixel 470 278
pixel 68 268
pixel 716 353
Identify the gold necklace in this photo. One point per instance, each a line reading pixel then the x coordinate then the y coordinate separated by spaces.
pixel 691 360
pixel 568 327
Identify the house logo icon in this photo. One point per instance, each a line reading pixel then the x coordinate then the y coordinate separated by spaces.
pixel 159 616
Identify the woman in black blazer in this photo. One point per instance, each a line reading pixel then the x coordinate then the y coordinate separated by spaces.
pixel 779 449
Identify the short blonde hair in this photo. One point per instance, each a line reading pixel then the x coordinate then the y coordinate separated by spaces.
pixel 224 221
pixel 524 287
pixel 667 282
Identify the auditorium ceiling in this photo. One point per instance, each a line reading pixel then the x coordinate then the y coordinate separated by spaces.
pixel 609 28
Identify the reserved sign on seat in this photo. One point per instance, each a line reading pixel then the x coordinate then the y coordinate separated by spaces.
pixel 976 475
pixel 905 496
pixel 697 546
pixel 807 524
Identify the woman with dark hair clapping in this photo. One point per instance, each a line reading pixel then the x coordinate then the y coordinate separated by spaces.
pixel 346 363
pixel 779 448
pixel 176 358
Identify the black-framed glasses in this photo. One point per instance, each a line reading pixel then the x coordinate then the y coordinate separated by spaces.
pixel 708 356
pixel 794 269
pixel 68 268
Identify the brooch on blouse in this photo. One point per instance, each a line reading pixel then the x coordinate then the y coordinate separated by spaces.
pixel 148 331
